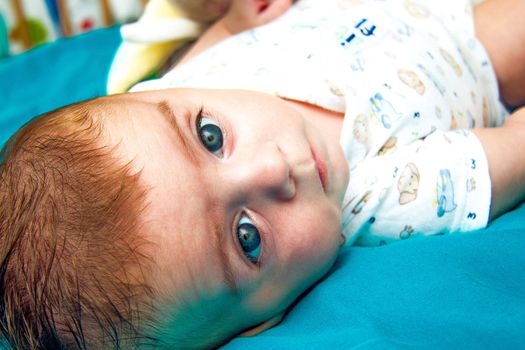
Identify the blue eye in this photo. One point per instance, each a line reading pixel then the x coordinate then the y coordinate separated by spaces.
pixel 249 239
pixel 210 135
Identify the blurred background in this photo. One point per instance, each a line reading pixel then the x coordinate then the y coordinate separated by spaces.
pixel 56 52
pixel 25 24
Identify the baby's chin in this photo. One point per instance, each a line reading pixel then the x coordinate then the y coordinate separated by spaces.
pixel 340 170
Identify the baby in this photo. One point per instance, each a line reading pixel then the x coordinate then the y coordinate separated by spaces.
pixel 200 210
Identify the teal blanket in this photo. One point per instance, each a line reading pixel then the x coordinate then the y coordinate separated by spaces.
pixel 459 291
pixel 53 75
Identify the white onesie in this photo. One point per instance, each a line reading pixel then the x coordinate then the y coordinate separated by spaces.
pixel 410 77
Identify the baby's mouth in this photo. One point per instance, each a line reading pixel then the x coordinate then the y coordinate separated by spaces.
pixel 321 169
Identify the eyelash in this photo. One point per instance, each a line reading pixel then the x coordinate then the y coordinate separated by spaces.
pixel 257 262
pixel 203 114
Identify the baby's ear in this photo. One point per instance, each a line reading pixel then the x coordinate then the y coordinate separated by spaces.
pixel 263 326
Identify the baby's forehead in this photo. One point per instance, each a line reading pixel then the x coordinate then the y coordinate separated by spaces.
pixel 121 113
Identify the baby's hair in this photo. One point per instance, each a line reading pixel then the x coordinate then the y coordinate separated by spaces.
pixel 72 256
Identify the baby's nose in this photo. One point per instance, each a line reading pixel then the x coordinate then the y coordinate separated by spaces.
pixel 267 173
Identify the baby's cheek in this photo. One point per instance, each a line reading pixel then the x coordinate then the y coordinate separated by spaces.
pixel 308 249
pixel 316 243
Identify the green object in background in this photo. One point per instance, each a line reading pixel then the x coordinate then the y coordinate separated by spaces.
pixel 4 38
pixel 37 30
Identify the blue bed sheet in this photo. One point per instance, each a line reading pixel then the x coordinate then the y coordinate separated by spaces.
pixel 53 75
pixel 459 291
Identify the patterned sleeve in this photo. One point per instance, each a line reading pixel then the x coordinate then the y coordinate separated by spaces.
pixel 436 185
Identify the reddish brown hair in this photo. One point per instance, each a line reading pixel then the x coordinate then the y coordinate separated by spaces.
pixel 72 259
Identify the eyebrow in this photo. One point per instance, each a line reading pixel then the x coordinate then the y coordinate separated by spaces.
pixel 172 120
pixel 226 266
pixel 217 232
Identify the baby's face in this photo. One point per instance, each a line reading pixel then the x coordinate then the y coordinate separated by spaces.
pixel 203 10
pixel 244 202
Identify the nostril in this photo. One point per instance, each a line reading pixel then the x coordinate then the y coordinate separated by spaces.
pixel 289 189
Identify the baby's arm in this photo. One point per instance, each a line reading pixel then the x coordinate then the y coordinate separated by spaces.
pixel 501 29
pixel 242 15
pixel 505 150
pixel 449 181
